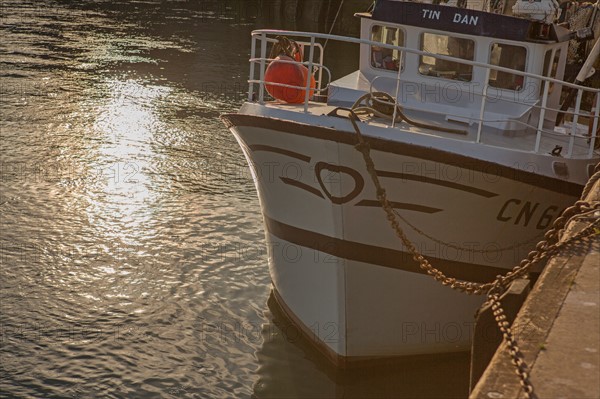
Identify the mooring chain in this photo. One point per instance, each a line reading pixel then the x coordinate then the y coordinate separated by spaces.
pixel 550 245
pixel 514 351
pixel 545 248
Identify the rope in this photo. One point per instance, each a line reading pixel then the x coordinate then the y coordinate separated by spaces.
pixel 593 179
pixel 333 23
pixel 284 46
pixel 381 104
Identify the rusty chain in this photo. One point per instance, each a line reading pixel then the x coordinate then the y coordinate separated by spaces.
pixel 514 351
pixel 549 246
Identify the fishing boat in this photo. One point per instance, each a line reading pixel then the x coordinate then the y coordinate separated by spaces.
pixel 459 108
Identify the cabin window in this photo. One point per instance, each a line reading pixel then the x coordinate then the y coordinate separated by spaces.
pixel 385 58
pixel 507 56
pixel 451 46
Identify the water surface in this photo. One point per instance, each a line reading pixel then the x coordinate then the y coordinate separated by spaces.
pixel 132 257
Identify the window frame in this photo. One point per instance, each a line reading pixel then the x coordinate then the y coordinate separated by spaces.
pixel 454 36
pixel 403 44
pixel 525 67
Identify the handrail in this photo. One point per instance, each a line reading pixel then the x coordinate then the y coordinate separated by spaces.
pixel 481 120
pixel 320 66
pixel 594 128
pixel 302 44
pixel 593 137
pixel 309 72
pixel 282 85
pixel 425 53
pixel 520 97
pixel 483 101
pixel 515 121
pixel 533 104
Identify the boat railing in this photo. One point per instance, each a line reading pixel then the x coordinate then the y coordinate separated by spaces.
pixel 318 81
pixel 469 120
pixel 262 37
pixel 263 62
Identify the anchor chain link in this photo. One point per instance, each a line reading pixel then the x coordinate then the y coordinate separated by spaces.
pixel 549 246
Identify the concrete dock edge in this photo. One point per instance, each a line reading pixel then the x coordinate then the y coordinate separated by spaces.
pixel 558 327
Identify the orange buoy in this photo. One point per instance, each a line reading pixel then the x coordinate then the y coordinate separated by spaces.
pixel 289 74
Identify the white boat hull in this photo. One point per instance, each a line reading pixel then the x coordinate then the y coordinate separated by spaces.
pixel 336 264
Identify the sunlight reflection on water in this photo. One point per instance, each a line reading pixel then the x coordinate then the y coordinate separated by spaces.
pixel 127 125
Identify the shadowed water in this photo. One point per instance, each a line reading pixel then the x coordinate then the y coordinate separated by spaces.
pixel 132 255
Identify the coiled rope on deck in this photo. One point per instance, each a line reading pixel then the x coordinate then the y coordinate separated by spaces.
pixel 381 104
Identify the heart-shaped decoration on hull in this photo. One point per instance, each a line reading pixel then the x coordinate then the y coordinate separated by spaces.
pixel 359 182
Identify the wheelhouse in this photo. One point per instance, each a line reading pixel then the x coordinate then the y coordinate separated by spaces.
pixel 454 88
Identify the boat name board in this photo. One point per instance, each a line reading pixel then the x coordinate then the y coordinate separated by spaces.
pixel 457 19
pixel 452 19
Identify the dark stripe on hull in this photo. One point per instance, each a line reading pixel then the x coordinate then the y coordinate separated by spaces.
pixel 301 185
pixel 400 205
pixel 379 256
pixel 411 150
pixel 437 182
pixel 282 151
